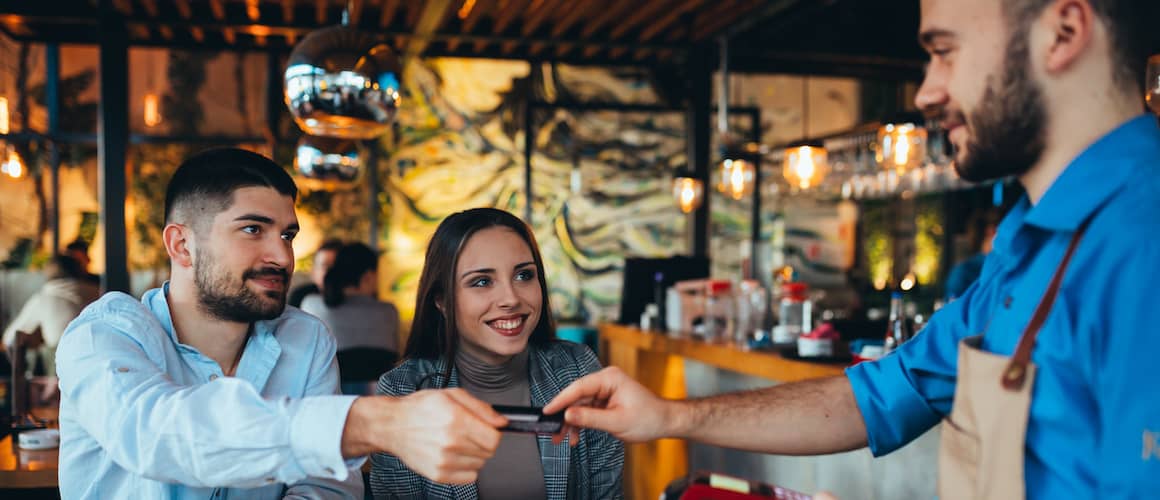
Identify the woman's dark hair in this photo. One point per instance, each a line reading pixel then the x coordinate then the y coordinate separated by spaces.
pixel 351 262
pixel 433 333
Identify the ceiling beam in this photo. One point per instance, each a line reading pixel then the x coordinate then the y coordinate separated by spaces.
pixel 387 14
pixel 473 17
pixel 219 13
pixel 320 11
pixel 287 11
pixel 434 13
pixel 508 10
pixel 670 17
pixel 186 12
pixel 647 11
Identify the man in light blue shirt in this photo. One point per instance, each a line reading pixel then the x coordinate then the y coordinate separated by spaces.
pixel 209 387
pixel 1047 91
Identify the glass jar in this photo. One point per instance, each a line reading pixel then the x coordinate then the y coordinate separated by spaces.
pixel 752 309
pixel 795 315
pixel 717 322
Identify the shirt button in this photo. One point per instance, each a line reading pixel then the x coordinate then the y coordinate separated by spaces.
pixel 1007 301
pixel 122 369
pixel 269 480
pixel 329 470
pixel 213 377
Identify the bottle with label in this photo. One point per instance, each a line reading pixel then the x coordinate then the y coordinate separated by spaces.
pixel 897 327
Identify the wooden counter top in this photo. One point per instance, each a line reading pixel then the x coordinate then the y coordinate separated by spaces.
pixel 657 362
pixel 20 468
pixel 764 364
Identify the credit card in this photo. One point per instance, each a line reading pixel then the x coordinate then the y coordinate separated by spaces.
pixel 529 419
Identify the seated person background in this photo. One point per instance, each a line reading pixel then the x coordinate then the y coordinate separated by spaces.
pixel 320 264
pixel 483 323
pixel 49 310
pixel 209 387
pixel 365 328
pixel 79 251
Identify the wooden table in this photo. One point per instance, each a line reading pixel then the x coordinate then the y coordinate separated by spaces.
pixel 657 361
pixel 20 468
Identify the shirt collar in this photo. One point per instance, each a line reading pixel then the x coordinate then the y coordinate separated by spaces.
pixel 1093 177
pixel 157 300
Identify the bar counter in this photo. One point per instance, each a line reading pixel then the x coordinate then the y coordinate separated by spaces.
pixel 658 362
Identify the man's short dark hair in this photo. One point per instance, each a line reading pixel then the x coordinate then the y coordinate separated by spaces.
pixel 204 184
pixel 1131 24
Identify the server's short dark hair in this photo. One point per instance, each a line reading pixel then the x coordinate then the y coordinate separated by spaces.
pixel 204 184
pixel 1130 23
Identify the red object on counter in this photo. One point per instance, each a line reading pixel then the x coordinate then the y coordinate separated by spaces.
pixel 706 492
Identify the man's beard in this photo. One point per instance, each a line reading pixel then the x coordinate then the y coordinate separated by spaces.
pixel 1008 126
pixel 238 303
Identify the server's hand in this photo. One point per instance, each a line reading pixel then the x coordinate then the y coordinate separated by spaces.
pixel 611 401
pixel 445 435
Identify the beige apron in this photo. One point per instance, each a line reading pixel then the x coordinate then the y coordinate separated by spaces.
pixel 982 444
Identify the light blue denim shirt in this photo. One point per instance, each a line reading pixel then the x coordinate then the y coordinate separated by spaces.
pixel 145 416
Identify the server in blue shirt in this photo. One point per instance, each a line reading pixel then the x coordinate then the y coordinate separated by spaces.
pixel 1047 386
pixel 209 387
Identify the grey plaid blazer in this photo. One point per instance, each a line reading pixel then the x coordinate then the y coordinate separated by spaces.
pixel 590 471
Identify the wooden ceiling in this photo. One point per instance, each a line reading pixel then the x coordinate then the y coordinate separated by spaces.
pixel 632 32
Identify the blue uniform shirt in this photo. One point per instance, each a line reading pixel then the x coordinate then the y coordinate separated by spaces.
pixel 1094 426
pixel 144 416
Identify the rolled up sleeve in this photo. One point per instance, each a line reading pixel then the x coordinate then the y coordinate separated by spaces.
pixel 905 393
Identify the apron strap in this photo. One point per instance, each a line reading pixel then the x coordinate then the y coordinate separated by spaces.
pixel 1016 373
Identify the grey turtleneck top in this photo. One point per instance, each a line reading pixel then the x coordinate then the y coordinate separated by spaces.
pixel 515 470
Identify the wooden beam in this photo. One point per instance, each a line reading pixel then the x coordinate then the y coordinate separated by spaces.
pixel 125 6
pixel 434 13
pixel 477 12
pixel 151 7
pixel 219 13
pixel 646 11
pixel 288 11
pixel 617 9
pixel 578 12
pixel 218 9
pixel 183 8
pixel 508 10
pixel 354 13
pixel 723 15
pixel 388 13
pixel 668 19
pixel 320 11
pixel 253 10
pixel 537 14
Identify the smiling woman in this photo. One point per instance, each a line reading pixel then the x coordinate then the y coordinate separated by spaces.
pixel 483 323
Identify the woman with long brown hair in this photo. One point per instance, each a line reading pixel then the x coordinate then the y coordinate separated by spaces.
pixel 483 323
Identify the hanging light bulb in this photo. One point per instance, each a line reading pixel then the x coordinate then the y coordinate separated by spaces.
pixel 152 110
pixel 736 173
pixel 736 176
pixel 901 146
pixel 13 166
pixel 3 115
pixel 688 193
pixel 805 165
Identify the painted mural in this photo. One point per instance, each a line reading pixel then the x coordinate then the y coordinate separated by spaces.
pixel 601 179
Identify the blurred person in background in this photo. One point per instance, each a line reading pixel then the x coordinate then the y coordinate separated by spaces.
pixel 365 328
pixel 47 313
pixel 323 259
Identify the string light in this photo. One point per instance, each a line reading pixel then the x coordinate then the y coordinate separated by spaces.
pixel 688 192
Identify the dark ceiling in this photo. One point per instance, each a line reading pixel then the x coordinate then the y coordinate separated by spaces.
pixel 833 37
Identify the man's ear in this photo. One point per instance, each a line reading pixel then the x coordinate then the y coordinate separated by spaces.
pixel 1072 23
pixel 179 244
